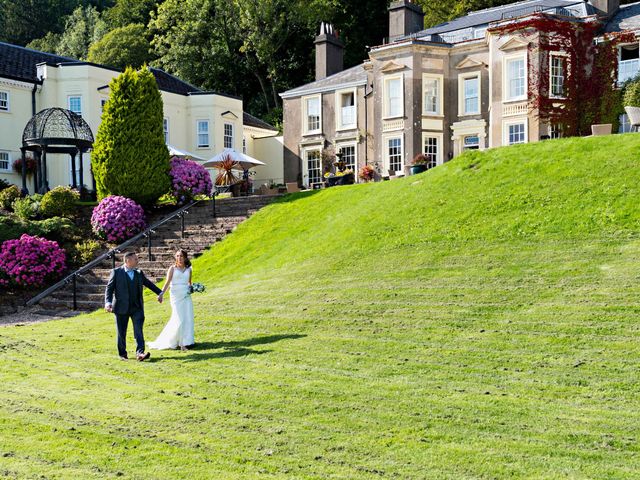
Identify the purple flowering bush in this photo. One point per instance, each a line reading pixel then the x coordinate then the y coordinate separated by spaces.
pixel 117 218
pixel 188 179
pixel 30 261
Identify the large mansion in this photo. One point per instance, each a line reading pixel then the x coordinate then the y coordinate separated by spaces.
pixel 196 121
pixel 465 84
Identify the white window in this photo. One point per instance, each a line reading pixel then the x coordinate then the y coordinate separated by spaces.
pixel 102 103
pixel 432 91
pixel 395 155
pixel 346 108
pixel 557 71
pixel 515 132
pixel 625 124
pixel 628 62
pixel 5 161
pixel 471 142
pixel 431 150
pixel 165 129
pixel 203 133
pixel 469 85
pixel 313 114
pixel 4 101
pixel 516 78
pixel 75 104
pixel 228 135
pixel 349 156
pixel 394 97
pixel 555 130
pixel 313 166
pixel 244 144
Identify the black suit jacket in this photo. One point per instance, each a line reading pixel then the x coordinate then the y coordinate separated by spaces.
pixel 118 286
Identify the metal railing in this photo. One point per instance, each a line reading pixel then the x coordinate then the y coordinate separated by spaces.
pixel 147 233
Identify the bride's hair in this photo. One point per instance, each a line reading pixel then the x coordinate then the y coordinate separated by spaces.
pixel 187 262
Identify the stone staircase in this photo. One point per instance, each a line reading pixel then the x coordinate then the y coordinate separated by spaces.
pixel 201 230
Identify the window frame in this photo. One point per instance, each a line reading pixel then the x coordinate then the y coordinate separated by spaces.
pixel 386 103
pixel 8 169
pixel 8 101
pixel 305 164
pixel 440 140
pixel 69 97
pixel 620 47
pixel 225 136
pixel 461 97
pixel 198 133
pixel 440 98
pixel 354 144
pixel 511 122
pixel 305 115
pixel 165 129
pixel 565 57
pixel 339 93
pixel 506 87
pixel 387 156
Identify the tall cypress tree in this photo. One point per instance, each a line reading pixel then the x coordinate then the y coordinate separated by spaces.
pixel 130 157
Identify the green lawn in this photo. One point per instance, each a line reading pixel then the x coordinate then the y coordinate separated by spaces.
pixel 478 321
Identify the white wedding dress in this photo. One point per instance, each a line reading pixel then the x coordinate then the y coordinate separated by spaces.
pixel 179 331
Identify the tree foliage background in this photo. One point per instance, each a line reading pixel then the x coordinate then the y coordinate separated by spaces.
pixel 254 49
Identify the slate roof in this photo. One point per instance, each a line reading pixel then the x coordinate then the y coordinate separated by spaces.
pixel 251 121
pixel 351 77
pixel 483 17
pixel 627 18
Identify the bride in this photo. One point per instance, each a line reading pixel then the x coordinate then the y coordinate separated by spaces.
pixel 179 331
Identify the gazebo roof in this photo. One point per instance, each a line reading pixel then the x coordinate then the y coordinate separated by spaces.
pixel 57 129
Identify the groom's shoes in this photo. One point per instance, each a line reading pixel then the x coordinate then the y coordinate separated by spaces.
pixel 124 358
pixel 143 356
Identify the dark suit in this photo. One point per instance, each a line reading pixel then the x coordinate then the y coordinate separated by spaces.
pixel 128 303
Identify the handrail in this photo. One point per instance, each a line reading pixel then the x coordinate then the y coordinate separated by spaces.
pixel 146 233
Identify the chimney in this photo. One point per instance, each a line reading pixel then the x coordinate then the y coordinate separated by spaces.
pixel 329 52
pixel 405 18
pixel 607 8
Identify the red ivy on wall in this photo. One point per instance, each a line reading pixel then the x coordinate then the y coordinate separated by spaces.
pixel 591 70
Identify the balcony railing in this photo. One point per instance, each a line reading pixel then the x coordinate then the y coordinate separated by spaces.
pixel 348 116
pixel 627 69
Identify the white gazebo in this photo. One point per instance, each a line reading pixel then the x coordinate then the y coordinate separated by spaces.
pixel 244 161
pixel 176 152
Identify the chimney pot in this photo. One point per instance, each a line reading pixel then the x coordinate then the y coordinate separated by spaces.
pixel 405 18
pixel 329 52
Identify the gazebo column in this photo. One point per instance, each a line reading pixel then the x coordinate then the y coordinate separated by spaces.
pixel 81 170
pixel 37 176
pixel 45 176
pixel 73 168
pixel 24 171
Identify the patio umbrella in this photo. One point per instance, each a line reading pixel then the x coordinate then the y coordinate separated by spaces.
pixel 244 161
pixel 176 152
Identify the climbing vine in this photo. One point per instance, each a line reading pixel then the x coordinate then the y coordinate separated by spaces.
pixel 591 70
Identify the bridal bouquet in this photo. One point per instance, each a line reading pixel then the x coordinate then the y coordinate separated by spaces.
pixel 196 288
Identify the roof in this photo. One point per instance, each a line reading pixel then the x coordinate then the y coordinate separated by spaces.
pixel 20 63
pixel 627 18
pixel 251 121
pixel 353 76
pixel 481 18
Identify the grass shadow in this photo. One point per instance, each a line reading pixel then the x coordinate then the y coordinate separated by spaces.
pixel 234 349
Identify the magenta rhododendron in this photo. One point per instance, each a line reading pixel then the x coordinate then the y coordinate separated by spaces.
pixel 188 179
pixel 30 261
pixel 117 218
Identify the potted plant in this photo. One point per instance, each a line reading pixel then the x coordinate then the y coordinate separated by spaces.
pixel 367 173
pixel 419 164
pixel 226 177
pixel 632 102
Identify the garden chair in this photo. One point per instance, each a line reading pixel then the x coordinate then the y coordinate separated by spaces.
pixel 292 187
pixel 600 130
pixel 634 117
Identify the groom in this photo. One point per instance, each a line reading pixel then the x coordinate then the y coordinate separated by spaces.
pixel 126 283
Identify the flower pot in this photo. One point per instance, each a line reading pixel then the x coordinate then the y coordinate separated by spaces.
pixel 415 169
pixel 634 116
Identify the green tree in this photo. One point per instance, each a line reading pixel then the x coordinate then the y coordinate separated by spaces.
pixel 122 47
pixel 127 12
pixel 48 43
pixel 130 157
pixel 83 27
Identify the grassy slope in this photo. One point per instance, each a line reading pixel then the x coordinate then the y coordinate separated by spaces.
pixel 477 321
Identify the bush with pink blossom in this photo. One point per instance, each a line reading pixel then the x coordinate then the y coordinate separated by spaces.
pixel 30 261
pixel 188 179
pixel 116 218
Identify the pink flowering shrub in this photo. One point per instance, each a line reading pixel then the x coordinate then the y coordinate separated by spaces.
pixel 117 218
pixel 188 179
pixel 30 261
